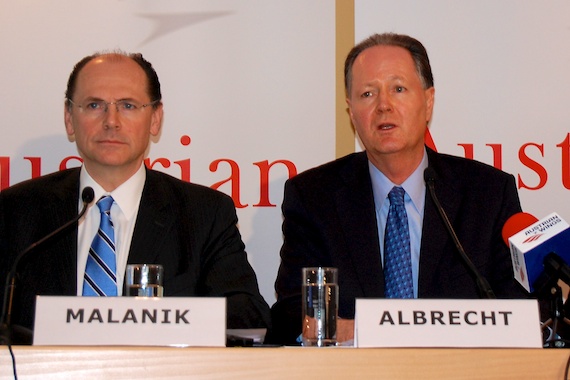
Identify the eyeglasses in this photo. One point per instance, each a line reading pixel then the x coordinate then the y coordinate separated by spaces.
pixel 96 108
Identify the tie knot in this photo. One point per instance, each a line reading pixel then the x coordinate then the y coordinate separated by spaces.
pixel 396 195
pixel 105 203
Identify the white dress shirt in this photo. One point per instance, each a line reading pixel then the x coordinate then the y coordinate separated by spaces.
pixel 124 213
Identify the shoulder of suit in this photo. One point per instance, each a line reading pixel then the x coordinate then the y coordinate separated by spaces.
pixel 462 163
pixel 49 183
pixel 460 171
pixel 333 169
pixel 177 185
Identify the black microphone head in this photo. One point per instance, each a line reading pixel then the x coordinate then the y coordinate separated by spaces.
pixel 429 174
pixel 87 195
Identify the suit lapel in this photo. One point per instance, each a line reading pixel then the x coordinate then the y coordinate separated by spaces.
pixel 63 210
pixel 434 234
pixel 152 222
pixel 355 205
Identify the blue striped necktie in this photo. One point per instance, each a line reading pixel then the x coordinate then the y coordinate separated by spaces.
pixel 100 272
pixel 397 253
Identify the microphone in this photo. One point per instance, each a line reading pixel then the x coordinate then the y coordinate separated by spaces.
pixel 540 254
pixel 517 223
pixel 483 286
pixel 87 196
pixel 539 248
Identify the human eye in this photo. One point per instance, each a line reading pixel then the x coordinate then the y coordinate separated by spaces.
pixel 366 94
pixel 94 105
pixel 399 89
pixel 127 105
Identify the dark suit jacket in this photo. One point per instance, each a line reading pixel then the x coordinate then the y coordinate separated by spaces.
pixel 329 220
pixel 190 229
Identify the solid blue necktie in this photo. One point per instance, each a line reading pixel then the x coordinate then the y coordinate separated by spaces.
pixel 397 254
pixel 100 272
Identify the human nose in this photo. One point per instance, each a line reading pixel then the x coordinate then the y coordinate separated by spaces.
pixel 384 102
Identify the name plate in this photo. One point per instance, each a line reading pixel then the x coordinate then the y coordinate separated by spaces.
pixel 131 321
pixel 447 323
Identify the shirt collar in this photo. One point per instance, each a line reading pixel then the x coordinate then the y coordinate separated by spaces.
pixel 414 185
pixel 127 196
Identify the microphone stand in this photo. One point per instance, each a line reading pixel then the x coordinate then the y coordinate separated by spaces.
pixel 546 285
pixel 5 330
pixel 485 290
pixel 24 335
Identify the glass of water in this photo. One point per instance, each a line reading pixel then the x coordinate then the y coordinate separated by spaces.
pixel 144 280
pixel 320 306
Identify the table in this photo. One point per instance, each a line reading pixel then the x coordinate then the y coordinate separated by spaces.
pixel 37 362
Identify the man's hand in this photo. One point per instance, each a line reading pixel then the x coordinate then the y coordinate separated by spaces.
pixel 345 331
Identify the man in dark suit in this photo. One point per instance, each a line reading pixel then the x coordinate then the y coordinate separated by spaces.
pixel 335 215
pixel 113 107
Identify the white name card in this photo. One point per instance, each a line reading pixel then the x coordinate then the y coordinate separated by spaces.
pixel 132 321
pixel 447 323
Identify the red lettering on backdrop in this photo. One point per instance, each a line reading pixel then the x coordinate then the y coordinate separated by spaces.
pixel 497 155
pixel 184 169
pixel 185 140
pixel 4 172
pixel 234 178
pixel 164 162
pixel 533 165
pixel 565 149
pixel 36 166
pixel 65 161
pixel 468 151
pixel 264 167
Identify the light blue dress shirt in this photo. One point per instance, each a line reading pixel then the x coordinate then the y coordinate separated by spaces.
pixel 414 201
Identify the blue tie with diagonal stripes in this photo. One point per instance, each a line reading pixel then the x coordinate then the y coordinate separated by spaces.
pixel 100 272
pixel 397 253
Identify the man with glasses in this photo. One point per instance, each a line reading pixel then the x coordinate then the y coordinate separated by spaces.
pixel 113 107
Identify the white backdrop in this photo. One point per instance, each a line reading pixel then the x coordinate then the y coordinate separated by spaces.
pixel 253 80
pixel 247 81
